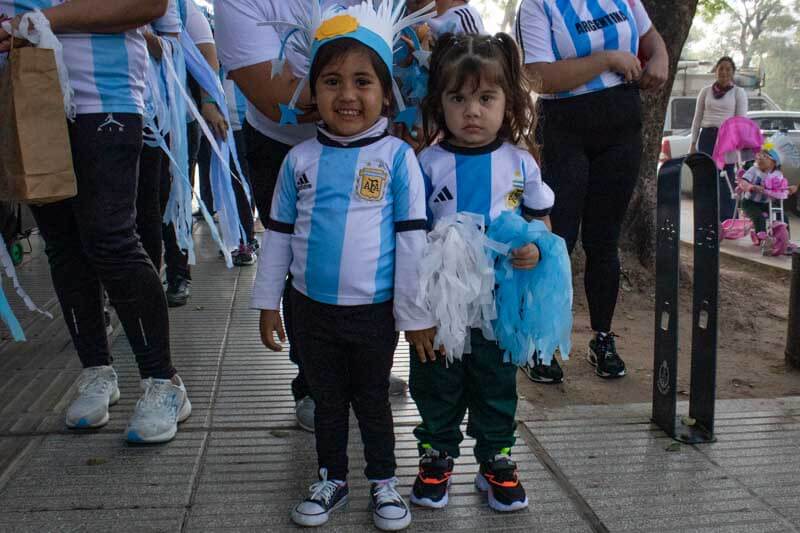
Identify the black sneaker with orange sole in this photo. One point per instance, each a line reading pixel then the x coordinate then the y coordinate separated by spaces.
pixel 499 479
pixel 433 480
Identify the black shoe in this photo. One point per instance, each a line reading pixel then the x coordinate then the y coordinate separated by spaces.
pixel 324 497
pixel 541 373
pixel 178 291
pixel 244 256
pixel 604 357
pixel 499 478
pixel 433 480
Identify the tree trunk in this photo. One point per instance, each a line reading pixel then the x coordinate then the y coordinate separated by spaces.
pixel 673 20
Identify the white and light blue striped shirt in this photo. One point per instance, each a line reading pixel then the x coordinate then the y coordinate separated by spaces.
pixel 348 221
pixel 485 181
pixel 106 70
pixel 552 30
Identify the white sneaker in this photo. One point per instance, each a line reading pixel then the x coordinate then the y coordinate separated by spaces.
pixel 324 497
pixel 304 412
pixel 97 389
pixel 389 511
pixel 157 413
pixel 397 385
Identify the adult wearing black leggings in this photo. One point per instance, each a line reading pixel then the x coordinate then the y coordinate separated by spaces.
pixel 582 57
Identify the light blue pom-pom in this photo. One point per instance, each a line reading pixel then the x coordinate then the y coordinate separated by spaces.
pixel 534 307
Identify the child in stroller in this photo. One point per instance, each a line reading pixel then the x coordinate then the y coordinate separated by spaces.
pixel 764 189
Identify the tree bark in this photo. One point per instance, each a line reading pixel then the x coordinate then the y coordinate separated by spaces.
pixel 673 20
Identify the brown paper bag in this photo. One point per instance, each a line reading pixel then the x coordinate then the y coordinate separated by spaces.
pixel 35 157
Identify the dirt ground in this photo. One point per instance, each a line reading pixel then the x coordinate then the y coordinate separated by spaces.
pixel 754 306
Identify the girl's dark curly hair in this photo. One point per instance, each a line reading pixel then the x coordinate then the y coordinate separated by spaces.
pixel 460 59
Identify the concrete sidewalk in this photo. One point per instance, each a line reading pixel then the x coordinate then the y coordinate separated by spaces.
pixel 742 249
pixel 239 463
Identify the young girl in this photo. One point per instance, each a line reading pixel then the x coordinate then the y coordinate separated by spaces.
pixel 479 103
pixel 348 222
pixel 755 182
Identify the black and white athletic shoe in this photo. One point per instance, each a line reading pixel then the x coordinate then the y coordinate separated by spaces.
pixel 542 373
pixel 499 479
pixel 433 480
pixel 389 511
pixel 324 497
pixel 603 356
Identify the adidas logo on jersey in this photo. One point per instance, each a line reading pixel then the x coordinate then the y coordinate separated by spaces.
pixel 444 196
pixel 303 183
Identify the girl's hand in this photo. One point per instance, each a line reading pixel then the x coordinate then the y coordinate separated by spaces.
pixel 422 341
pixel 526 257
pixel 270 324
pixel 793 189
pixel 625 64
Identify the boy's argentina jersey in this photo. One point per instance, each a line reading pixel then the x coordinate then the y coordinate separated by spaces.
pixel 552 30
pixel 486 181
pixel 355 217
pixel 106 71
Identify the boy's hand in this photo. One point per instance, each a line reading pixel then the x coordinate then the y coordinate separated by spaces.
pixel 525 257
pixel 422 340
pixel 271 324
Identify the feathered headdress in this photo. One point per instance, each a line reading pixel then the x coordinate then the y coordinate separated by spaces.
pixel 376 24
pixel 782 150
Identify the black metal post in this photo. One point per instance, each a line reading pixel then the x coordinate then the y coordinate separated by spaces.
pixel 793 335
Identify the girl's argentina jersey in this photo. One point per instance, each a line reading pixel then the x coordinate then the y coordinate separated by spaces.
pixel 486 181
pixel 106 71
pixel 552 30
pixel 343 207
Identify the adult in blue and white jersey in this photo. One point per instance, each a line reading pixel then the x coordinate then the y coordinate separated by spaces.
pixel 91 239
pixel 506 176
pixel 248 52
pixel 456 16
pixel 582 58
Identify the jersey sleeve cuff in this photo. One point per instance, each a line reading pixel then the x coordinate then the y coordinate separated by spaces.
pixel 413 325
pixel 265 302
pixel 536 213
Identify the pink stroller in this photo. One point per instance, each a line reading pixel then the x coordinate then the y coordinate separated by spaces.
pixel 775 240
pixel 736 135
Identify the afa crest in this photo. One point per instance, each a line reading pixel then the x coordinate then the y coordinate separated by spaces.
pixel 372 180
pixel 514 198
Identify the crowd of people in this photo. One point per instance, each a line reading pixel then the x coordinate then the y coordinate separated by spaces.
pixel 355 141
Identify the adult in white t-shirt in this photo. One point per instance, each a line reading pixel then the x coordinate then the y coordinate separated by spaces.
pixel 582 58
pixel 91 239
pixel 716 104
pixel 456 16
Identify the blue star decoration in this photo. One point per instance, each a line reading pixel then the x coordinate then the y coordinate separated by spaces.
pixel 289 114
